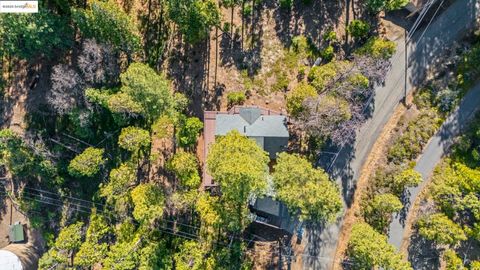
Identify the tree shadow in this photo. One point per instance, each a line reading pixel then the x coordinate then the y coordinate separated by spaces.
pixel 422 253
pixel 312 19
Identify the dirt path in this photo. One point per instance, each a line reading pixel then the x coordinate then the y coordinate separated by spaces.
pixel 353 214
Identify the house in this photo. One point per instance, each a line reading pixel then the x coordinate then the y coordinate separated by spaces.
pixel 268 128
pixel 273 214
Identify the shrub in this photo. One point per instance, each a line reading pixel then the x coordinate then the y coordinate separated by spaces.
pixel 440 229
pixel 469 67
pixel 446 99
pixel 236 98
pixel 387 5
pixel 410 144
pixel 247 10
pixel 330 36
pixel 378 48
pixel 328 53
pixel 379 210
pixel 358 29
pixel 359 80
pixel 297 96
pixel 189 131
pixel 133 139
pixel 303 46
pixel 320 76
pixel 424 99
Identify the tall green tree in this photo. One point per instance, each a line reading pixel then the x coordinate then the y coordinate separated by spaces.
pixel 189 131
pixel 134 139
pixel 108 23
pixel 185 166
pixel 87 163
pixel 306 190
pixel 368 248
pixel 379 210
pixel 194 18
pixel 440 229
pixel 148 201
pixel 31 35
pixel 239 166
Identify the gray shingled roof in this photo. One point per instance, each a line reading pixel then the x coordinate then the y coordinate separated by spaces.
pixel 251 123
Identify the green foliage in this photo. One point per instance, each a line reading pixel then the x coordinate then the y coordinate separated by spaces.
pixel 378 48
pixel 185 167
pixel 108 23
pixel 149 89
pixel 306 189
pixel 304 47
pixel 320 76
pixel 236 98
pixel 358 28
pixel 134 139
pixel 405 179
pixel 286 4
pixel 239 166
pixel 424 99
pixel 68 241
pixel 189 131
pixel 452 260
pixel 379 210
pixel 87 164
pixel 410 144
pixel 149 202
pixel 368 248
pixel 123 106
pixel 194 17
pixel 328 53
pixel 358 80
pixel 469 67
pixel 121 256
pixel 191 256
pixel 330 36
pixel 20 159
pixel 92 251
pixel 440 229
pixel 30 35
pixel 297 96
pixel 120 180
pixel 386 5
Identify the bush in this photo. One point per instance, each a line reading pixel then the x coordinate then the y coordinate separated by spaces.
pixel 358 80
pixel 236 98
pixel 328 53
pixel 320 76
pixel 358 29
pixel 378 48
pixel 410 144
pixel 424 99
pixel 469 67
pixel 330 36
pixel 297 96
pixel 247 10
pixel 387 5
pixel 303 46
pixel 189 131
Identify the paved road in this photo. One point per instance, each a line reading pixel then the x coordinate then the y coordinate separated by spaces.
pixel 423 53
pixel 435 150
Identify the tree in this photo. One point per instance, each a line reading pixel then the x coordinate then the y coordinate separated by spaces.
pixel 405 179
pixel 191 255
pixel 189 131
pixel 30 35
pixel 386 5
pixel 239 166
pixel 87 164
pixel 452 260
pixel 121 256
pixel 297 96
pixel 194 18
pixel 108 23
pixel 120 180
pixel 185 167
pixel 93 250
pixel 380 209
pixel 440 229
pixel 148 89
pixel 367 249
pixel 134 139
pixel 68 241
pixel 148 201
pixel 98 63
pixel 306 189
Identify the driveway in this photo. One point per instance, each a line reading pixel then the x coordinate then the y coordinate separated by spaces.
pixel 423 53
pixel 433 153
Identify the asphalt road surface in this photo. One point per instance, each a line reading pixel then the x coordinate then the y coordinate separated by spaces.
pixel 425 50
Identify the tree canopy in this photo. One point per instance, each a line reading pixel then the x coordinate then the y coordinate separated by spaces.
pixel 87 163
pixel 306 189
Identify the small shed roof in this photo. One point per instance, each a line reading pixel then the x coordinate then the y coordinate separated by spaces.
pixel 16 233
